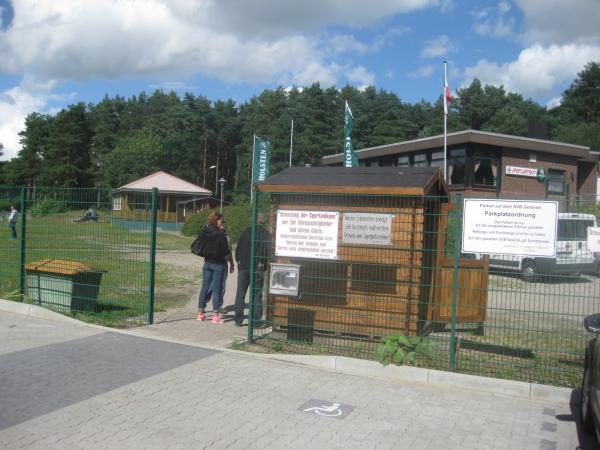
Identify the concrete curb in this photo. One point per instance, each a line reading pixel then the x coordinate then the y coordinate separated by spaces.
pixel 431 377
pixel 36 311
pixel 351 366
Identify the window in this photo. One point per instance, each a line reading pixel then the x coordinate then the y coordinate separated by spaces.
pixel 573 230
pixel 139 201
pixel 420 160
pixel 456 166
pixel 556 182
pixel 437 158
pixel 403 161
pixel 117 203
pixel 485 171
pixel 386 161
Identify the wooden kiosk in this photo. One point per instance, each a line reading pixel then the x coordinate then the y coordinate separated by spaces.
pixel 359 243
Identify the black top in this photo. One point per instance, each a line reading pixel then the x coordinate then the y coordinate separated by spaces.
pixel 354 176
pixel 242 251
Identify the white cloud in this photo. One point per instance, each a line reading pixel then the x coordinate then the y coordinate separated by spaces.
pixel 15 104
pixel 537 71
pixel 267 17
pixel 437 47
pixel 553 102
pixel 422 72
pixel 344 43
pixel 388 37
pixel 560 22
pixel 361 76
pixel 504 7
pixel 494 22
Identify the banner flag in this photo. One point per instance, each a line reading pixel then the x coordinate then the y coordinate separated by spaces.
pixel 447 95
pixel 262 156
pixel 350 159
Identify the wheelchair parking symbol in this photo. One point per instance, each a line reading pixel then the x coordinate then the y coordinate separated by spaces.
pixel 324 408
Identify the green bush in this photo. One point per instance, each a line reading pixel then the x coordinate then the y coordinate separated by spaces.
pixel 236 219
pixel 5 205
pixel 47 208
pixel 399 349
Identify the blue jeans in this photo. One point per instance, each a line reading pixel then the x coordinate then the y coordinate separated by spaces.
pixel 212 275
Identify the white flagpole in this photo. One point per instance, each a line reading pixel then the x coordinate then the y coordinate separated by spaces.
pixel 291 142
pixel 445 124
pixel 252 166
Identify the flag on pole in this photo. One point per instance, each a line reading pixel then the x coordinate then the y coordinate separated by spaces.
pixel 350 159
pixel 447 95
pixel 260 163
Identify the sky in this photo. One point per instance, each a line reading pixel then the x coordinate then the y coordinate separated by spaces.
pixel 54 53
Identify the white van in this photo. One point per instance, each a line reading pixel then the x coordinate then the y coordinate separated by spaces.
pixel 572 254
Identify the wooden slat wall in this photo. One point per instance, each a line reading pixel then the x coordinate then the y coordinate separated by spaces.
pixel 368 313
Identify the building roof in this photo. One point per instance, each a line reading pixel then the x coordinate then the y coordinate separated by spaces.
pixel 470 136
pixel 357 180
pixel 165 183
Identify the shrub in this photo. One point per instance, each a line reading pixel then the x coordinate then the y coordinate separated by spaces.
pixel 399 349
pixel 236 219
pixel 5 205
pixel 47 208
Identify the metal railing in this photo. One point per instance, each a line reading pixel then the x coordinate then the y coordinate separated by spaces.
pixel 70 257
pixel 398 268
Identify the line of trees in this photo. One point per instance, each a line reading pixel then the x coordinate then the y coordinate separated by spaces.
pixel 119 140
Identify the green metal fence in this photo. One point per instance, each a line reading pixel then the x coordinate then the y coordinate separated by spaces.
pixel 398 268
pixel 70 257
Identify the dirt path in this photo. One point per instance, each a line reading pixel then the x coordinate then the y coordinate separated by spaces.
pixel 180 277
pixel 177 298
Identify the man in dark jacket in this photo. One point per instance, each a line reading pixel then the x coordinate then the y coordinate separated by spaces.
pixel 242 256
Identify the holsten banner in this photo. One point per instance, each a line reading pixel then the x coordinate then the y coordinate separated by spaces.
pixel 510 227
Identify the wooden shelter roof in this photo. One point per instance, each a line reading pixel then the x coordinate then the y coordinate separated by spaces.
pixel 165 183
pixel 358 180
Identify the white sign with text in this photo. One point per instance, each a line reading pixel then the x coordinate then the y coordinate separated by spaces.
pixel 593 239
pixel 307 234
pixel 521 171
pixel 509 227
pixel 367 228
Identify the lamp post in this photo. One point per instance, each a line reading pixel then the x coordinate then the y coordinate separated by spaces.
pixel 222 183
pixel 216 177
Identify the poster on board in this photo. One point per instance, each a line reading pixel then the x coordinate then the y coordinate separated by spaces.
pixel 307 234
pixel 284 279
pixel 367 228
pixel 510 227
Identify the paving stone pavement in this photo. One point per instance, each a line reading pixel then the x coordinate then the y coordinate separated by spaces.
pixel 69 386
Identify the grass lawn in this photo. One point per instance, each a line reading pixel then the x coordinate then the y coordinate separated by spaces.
pixel 122 254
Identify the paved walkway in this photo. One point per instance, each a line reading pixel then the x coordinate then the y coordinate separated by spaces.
pixel 66 385
pixel 181 324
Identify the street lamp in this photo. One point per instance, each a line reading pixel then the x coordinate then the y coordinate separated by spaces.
pixel 222 183
pixel 216 176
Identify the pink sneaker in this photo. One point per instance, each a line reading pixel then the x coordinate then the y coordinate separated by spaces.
pixel 201 316
pixel 217 319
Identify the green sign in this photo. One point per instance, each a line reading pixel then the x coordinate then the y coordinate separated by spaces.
pixel 541 175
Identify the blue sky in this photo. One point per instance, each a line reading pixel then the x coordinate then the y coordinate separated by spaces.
pixel 58 52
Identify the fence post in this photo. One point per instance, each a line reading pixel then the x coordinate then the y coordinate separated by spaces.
pixel 457 235
pixel 252 268
pixel 152 262
pixel 22 230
